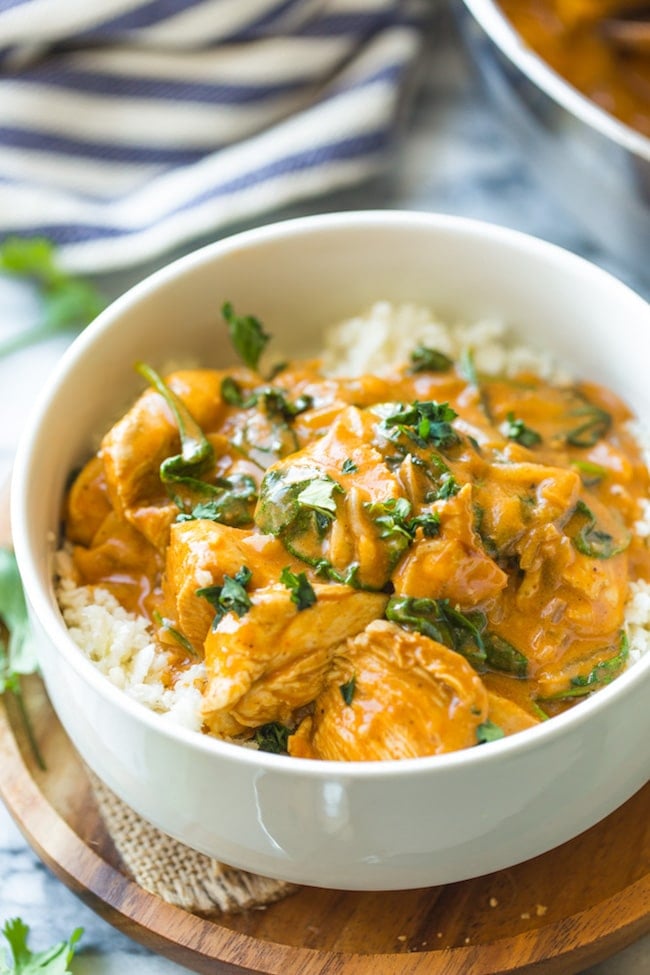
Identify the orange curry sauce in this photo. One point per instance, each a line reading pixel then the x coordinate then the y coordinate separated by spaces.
pixel 572 37
pixel 417 577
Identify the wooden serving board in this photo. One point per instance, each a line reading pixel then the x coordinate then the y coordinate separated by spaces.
pixel 557 913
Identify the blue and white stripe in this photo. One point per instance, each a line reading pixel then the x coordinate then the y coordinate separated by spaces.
pixel 130 127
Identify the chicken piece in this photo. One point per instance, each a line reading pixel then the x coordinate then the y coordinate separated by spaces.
pixel 273 660
pixel 121 560
pixel 590 593
pixel 393 694
pixel 515 499
pixel 134 449
pixel 200 554
pixel 353 476
pixel 454 565
pixel 508 715
pixel 87 504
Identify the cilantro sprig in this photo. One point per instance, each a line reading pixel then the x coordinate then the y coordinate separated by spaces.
pixel 246 334
pixel 17 651
pixel 68 303
pixel 24 961
pixel 231 597
pixel 302 591
pixel 424 423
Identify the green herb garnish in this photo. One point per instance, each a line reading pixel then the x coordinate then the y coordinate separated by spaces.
pixel 196 449
pixel 600 675
pixel 488 731
pixel 68 302
pixel 53 961
pixel 501 655
pixel 17 649
pixel 395 525
pixel 232 503
pixel 591 540
pixel 246 334
pixel 595 425
pixel 318 496
pixel 347 690
pixel 424 359
pixel 440 621
pixel 349 467
pixel 175 634
pixel 423 422
pixel 272 737
pixel 591 473
pixel 302 591
pixel 515 429
pixel 231 597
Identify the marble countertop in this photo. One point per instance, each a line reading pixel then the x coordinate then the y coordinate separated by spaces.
pixel 455 157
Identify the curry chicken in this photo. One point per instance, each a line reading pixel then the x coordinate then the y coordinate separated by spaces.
pixel 593 44
pixel 378 567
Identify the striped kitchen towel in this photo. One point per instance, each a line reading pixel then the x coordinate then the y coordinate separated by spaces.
pixel 131 127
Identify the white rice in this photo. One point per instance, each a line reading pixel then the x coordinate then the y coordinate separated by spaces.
pixel 120 644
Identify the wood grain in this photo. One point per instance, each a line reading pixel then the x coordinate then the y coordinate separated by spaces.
pixel 557 913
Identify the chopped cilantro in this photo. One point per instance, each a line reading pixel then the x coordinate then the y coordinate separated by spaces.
pixel 424 359
pixel 318 495
pixel 272 737
pixel 246 334
pixel 349 467
pixel 302 591
pixel 488 731
pixel 515 429
pixel 423 422
pixel 231 597
pixel 348 689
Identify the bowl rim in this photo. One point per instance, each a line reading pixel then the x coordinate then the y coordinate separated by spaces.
pixel 501 31
pixel 43 604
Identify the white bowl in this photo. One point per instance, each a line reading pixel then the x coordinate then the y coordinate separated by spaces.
pixel 381 825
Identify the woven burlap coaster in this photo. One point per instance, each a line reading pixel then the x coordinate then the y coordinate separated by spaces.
pixel 176 873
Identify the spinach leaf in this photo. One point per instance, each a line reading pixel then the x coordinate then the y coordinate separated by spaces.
pixel 501 655
pixel 439 620
pixel 594 425
pixel 591 540
pixel 232 503
pixel 196 449
pixel 515 429
pixel 600 675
